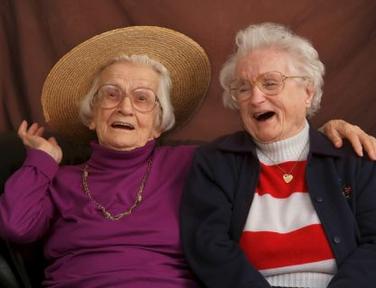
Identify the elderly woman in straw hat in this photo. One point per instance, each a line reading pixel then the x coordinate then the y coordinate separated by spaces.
pixel 276 205
pixel 113 220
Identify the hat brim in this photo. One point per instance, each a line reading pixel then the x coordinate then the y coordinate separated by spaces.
pixel 71 77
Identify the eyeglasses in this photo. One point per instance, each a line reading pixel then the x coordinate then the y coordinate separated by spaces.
pixel 142 99
pixel 270 83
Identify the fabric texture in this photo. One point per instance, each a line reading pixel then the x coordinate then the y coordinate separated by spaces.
pixel 220 190
pixel 83 249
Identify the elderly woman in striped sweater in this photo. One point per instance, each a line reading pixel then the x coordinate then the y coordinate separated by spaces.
pixel 276 205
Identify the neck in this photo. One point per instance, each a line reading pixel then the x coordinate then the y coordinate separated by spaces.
pixel 291 149
pixel 106 158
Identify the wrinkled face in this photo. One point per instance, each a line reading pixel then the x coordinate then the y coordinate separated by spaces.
pixel 272 118
pixel 122 127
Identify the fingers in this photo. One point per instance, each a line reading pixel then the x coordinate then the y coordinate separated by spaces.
pixel 40 131
pixel 337 130
pixel 335 137
pixel 33 128
pixel 53 141
pixel 369 145
pixel 32 136
pixel 360 140
pixel 374 148
pixel 356 143
pixel 367 142
pixel 353 134
pixel 23 132
pixel 331 130
pixel 22 129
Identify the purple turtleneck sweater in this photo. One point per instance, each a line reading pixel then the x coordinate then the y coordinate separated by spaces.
pixel 83 248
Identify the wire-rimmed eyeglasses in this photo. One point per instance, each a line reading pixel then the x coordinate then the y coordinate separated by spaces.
pixel 109 96
pixel 270 83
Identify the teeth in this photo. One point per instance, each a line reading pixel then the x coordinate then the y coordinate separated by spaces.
pixel 122 124
pixel 263 115
pixel 259 114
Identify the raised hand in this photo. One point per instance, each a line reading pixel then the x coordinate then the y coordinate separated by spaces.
pixel 32 137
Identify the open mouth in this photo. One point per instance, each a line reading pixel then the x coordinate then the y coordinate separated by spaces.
pixel 264 115
pixel 122 125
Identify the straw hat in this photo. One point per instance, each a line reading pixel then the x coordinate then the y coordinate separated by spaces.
pixel 71 77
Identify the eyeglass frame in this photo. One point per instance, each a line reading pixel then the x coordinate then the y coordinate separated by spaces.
pixel 123 95
pixel 266 92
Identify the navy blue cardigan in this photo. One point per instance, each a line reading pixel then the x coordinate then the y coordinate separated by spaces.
pixel 219 193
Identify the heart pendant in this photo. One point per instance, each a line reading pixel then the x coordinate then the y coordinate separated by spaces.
pixel 287 178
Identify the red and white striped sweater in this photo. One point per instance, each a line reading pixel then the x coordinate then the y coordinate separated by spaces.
pixel 283 237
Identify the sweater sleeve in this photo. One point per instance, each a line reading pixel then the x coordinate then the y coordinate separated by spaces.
pixel 358 269
pixel 206 216
pixel 26 207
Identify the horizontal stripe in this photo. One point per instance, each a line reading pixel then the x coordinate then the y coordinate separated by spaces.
pixel 267 250
pixel 281 215
pixel 302 279
pixel 324 266
pixel 271 179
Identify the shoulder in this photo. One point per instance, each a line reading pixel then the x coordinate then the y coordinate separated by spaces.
pixel 225 154
pixel 344 158
pixel 236 143
pixel 321 145
pixel 174 157
pixel 175 150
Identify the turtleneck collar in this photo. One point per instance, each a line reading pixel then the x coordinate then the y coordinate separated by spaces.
pixel 291 149
pixel 106 158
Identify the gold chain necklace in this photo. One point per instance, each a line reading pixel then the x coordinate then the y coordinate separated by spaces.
pixel 286 176
pixel 107 214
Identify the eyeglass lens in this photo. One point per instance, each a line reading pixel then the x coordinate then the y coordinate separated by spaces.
pixel 269 83
pixel 143 99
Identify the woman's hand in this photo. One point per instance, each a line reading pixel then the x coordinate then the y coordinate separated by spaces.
pixel 336 130
pixel 32 138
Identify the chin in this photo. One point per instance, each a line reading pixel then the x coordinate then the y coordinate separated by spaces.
pixel 259 135
pixel 119 146
pixel 266 140
pixel 267 137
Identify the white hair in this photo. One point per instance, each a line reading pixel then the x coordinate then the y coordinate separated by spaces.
pixel 275 36
pixel 166 115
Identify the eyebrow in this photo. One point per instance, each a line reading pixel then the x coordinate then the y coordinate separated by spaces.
pixel 143 85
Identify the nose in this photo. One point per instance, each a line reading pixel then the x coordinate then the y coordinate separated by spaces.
pixel 125 106
pixel 257 96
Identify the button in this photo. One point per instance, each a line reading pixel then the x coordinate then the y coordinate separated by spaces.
pixel 337 239
pixel 319 199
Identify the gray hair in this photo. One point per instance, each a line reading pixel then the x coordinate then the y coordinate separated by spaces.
pixel 270 35
pixel 166 116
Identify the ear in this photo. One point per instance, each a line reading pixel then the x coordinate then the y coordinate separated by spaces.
pixel 156 133
pixel 310 92
pixel 92 125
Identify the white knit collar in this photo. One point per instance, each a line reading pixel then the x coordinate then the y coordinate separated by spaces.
pixel 290 149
